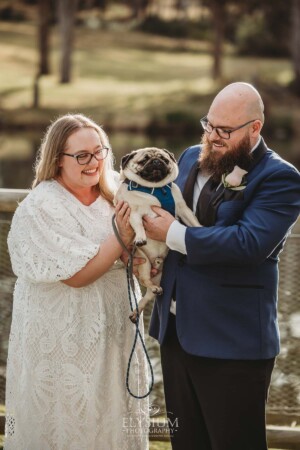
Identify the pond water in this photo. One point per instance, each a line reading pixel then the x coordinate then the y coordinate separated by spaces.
pixel 18 152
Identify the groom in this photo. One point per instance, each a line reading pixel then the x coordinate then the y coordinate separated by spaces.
pixel 216 320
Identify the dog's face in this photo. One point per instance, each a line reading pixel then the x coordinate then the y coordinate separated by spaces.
pixel 150 167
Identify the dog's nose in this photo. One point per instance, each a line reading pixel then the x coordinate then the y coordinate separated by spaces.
pixel 156 162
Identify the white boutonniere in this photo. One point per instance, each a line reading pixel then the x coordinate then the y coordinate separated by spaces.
pixel 235 180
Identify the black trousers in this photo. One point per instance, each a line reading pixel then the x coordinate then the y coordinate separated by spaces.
pixel 214 404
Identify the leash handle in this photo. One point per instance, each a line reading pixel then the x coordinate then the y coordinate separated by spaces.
pixel 130 289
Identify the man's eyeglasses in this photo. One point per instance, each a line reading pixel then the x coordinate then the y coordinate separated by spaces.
pixel 86 158
pixel 221 132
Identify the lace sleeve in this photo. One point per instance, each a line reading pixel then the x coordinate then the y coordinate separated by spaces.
pixel 46 242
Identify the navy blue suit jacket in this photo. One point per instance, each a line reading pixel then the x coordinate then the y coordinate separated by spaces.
pixel 226 285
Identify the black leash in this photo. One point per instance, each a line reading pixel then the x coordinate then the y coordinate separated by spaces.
pixel 130 288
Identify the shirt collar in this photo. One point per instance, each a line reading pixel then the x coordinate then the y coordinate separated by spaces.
pixel 256 145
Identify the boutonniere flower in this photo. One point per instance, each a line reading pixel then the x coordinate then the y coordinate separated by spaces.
pixel 235 180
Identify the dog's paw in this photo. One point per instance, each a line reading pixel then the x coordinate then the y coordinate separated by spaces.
pixel 157 290
pixel 140 242
pixel 133 316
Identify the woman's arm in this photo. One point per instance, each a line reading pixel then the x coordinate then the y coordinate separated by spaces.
pixel 109 251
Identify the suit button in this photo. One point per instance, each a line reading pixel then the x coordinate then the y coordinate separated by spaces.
pixel 181 261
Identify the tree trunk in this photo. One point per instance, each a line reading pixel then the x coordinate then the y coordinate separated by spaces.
pixel 296 44
pixel 139 8
pixel 218 16
pixel 182 7
pixel 66 17
pixel 36 92
pixel 43 36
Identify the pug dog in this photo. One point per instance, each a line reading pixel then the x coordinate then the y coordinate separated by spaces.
pixel 147 177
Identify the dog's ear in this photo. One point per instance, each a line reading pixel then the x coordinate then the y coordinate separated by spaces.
pixel 171 155
pixel 126 159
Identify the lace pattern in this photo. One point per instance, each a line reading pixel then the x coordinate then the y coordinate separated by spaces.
pixel 68 347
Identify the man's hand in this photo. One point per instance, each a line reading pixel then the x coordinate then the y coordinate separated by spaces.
pixel 157 227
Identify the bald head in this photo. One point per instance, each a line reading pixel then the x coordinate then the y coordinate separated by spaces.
pixel 239 102
pixel 237 106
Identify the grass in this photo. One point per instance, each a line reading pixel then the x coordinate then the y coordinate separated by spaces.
pixel 123 79
pixel 160 446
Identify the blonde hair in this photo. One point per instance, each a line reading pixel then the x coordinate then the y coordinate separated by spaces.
pixel 53 145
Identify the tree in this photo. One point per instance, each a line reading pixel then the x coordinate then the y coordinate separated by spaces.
pixel 138 8
pixel 218 10
pixel 182 8
pixel 296 43
pixel 66 17
pixel 43 36
pixel 218 16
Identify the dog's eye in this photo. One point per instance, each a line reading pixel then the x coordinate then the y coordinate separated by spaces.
pixel 163 159
pixel 144 160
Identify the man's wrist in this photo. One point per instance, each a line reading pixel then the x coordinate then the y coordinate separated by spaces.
pixel 175 239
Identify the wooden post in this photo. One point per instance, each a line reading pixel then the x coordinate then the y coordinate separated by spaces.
pixel 2 424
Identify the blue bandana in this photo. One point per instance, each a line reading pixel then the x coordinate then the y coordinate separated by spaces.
pixel 163 194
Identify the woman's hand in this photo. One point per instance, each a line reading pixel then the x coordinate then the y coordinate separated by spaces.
pixel 122 219
pixel 136 262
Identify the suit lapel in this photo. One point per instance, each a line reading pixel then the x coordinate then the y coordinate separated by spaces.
pixel 258 155
pixel 188 191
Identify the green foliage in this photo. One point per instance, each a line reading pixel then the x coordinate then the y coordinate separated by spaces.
pixel 177 123
pixel 265 31
pixel 156 25
pixel 11 14
pixel 182 121
pixel 176 28
pixel 280 127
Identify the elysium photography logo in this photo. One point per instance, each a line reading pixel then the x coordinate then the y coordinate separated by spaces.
pixel 159 424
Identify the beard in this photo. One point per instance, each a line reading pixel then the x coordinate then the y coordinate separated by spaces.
pixel 216 164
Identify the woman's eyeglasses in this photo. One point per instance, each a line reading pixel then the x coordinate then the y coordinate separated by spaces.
pixel 86 158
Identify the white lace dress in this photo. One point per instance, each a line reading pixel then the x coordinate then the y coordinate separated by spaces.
pixel 69 347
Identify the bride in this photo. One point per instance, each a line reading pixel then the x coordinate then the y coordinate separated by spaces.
pixel 70 336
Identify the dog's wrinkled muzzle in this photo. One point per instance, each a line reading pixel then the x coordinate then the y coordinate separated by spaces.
pixel 155 170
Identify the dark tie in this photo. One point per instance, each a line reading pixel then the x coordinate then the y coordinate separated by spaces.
pixel 204 211
pixel 209 197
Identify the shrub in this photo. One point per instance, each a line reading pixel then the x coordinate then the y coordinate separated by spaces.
pixel 10 14
pixel 175 28
pixel 254 36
